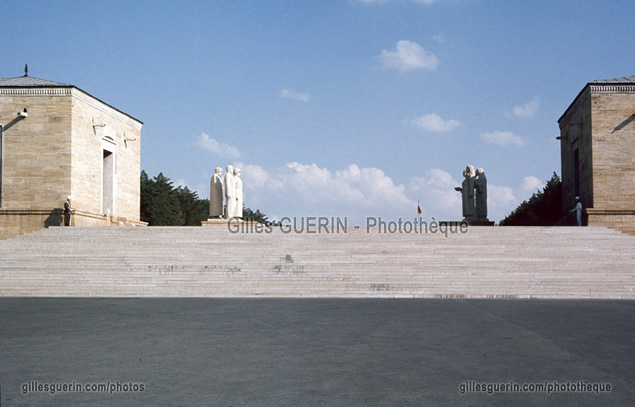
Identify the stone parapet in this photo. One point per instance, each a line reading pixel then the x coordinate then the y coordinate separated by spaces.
pixel 623 220
pixel 14 222
pixel 228 222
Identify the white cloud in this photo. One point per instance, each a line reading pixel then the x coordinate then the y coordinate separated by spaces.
pixel 364 187
pixel 434 123
pixel 502 138
pixel 439 38
pixel 500 201
pixel 532 184
pixel 354 192
pixel 529 109
pixel 439 199
pixel 220 149
pixel 302 190
pixel 408 55
pixel 437 195
pixel 256 174
pixel 289 94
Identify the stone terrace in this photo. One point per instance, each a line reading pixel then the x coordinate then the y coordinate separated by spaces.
pixel 485 262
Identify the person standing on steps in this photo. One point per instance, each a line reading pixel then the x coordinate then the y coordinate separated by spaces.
pixel 67 211
pixel 578 210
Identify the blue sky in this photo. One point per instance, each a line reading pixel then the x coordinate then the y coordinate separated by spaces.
pixel 347 108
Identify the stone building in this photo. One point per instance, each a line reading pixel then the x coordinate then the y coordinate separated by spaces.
pixel 57 140
pixel 597 147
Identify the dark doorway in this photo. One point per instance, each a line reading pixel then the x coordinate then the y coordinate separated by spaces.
pixel 576 172
pixel 108 183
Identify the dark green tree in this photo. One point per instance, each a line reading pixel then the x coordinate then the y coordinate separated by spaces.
pixel 544 208
pixel 194 209
pixel 160 205
pixel 257 216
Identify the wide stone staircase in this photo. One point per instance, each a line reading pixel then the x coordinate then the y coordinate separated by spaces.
pixel 484 262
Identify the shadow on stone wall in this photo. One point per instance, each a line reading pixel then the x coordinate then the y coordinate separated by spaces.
pixel 19 221
pixel 55 218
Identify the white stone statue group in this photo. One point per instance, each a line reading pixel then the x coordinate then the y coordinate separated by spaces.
pixel 233 196
pixel 474 195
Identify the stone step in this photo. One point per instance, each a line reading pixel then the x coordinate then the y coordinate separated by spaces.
pixel 486 262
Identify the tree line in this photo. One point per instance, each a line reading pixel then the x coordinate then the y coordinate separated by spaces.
pixel 544 208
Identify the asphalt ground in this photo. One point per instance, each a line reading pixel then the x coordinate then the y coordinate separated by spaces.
pixel 315 352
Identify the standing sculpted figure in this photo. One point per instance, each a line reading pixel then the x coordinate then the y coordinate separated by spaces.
pixel 467 193
pixel 230 193
pixel 239 194
pixel 480 183
pixel 216 194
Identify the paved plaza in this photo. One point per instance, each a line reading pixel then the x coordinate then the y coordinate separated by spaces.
pixel 314 352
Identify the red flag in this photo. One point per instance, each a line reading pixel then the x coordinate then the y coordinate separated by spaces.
pixel 418 208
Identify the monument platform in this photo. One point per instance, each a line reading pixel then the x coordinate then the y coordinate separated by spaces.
pixel 228 222
pixel 458 223
pixel 482 262
pixel 481 223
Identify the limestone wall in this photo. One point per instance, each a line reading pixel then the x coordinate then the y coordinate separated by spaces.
pixel 613 150
pixel 37 151
pixel 17 221
pixel 616 219
pixel 98 127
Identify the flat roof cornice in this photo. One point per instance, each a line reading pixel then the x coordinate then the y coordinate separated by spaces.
pixel 30 86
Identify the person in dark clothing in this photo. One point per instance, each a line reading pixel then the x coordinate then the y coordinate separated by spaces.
pixel 67 211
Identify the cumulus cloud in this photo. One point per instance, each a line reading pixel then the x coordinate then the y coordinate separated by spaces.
pixel 290 94
pixel 434 123
pixel 529 109
pixel 366 187
pixel 408 55
pixel 299 189
pixel 437 195
pixel 502 138
pixel 501 200
pixel 218 148
pixel 353 192
pixel 532 184
pixel 439 199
